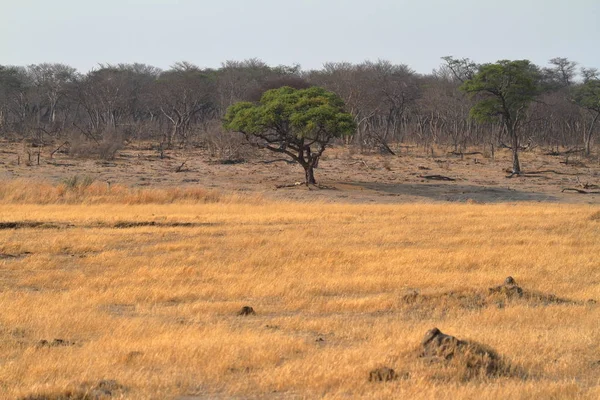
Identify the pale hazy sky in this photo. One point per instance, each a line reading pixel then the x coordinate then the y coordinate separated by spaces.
pixel 84 33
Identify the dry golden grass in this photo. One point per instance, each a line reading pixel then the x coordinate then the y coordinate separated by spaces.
pixel 83 190
pixel 154 307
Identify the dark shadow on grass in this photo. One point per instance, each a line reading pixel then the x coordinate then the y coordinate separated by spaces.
pixel 101 224
pixel 456 192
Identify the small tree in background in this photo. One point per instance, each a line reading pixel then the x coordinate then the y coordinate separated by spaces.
pixel 505 90
pixel 587 96
pixel 297 122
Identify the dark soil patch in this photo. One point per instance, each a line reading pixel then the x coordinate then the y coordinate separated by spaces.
pixel 6 256
pixel 229 161
pixel 136 224
pixel 31 224
pixel 55 343
pixel 118 225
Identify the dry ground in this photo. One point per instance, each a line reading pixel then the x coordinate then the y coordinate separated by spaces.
pixel 348 176
pixel 144 288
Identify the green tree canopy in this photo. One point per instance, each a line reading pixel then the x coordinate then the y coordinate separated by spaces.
pixel 587 96
pixel 297 122
pixel 504 91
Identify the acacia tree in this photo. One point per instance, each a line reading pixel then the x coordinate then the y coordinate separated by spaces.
pixel 505 90
pixel 297 122
pixel 562 72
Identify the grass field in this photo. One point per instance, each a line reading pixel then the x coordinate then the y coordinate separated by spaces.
pixel 144 288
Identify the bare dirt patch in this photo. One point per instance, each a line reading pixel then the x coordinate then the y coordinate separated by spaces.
pixel 354 177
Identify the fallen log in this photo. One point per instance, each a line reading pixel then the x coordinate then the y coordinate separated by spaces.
pixel 360 162
pixel 458 153
pixel 288 185
pixel 438 178
pixel 581 191
pixel 277 160
pixel 550 171
pixel 586 185
pixel 561 153
pixel 574 163
pixel 538 174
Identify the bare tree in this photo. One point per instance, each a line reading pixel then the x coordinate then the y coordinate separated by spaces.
pixel 184 92
pixel 51 81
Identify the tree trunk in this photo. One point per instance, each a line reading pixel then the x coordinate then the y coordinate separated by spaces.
pixel 587 137
pixel 309 170
pixel 587 143
pixel 516 169
pixel 172 135
pixel 385 146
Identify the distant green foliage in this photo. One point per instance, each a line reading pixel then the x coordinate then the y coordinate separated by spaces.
pixel 587 95
pixel 506 88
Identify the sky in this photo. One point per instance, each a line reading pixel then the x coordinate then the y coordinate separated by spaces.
pixel 84 33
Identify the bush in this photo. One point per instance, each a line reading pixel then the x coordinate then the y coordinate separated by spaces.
pixel 104 150
pixel 227 146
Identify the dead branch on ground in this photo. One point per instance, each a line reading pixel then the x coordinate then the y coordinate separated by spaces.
pixel 359 162
pixel 581 191
pixel 277 160
pixel 58 148
pixel 559 153
pixel 180 168
pixel 549 171
pixel 460 153
pixel 586 185
pixel 438 177
pixel 296 184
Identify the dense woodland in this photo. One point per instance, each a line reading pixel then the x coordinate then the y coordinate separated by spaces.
pixel 112 105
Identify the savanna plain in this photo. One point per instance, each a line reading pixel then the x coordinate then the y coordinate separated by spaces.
pixel 135 293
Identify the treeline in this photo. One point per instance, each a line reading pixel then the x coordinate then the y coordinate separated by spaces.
pixel 185 104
